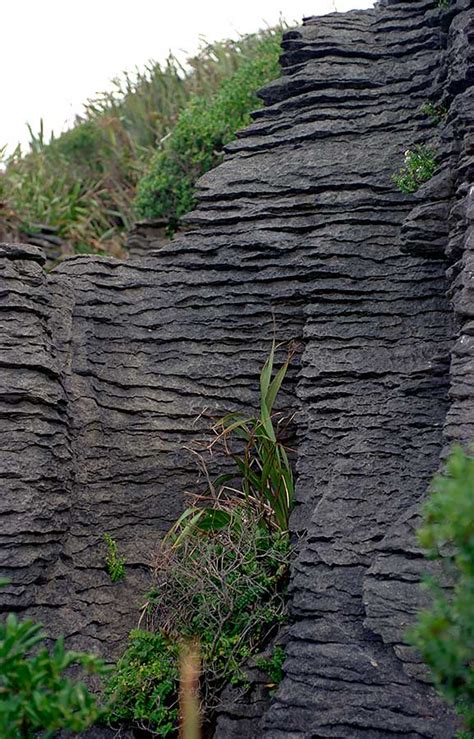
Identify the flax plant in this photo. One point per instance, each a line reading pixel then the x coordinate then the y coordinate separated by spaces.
pixel 262 477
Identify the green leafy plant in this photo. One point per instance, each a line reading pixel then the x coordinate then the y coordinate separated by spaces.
pixel 436 113
pixel 143 688
pixel 262 478
pixel 115 564
pixel 444 634
pixel 444 4
pixel 35 694
pixel 220 575
pixel 223 589
pixel 419 167
pixel 203 127
pixel 273 665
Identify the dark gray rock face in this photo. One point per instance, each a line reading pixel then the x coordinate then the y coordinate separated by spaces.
pixel 107 365
pixel 146 236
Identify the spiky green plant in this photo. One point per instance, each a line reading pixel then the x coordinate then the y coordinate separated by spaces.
pixel 262 478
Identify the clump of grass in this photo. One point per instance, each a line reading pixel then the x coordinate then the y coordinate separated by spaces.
pixel 37 193
pixel 114 563
pixel 220 576
pixel 419 167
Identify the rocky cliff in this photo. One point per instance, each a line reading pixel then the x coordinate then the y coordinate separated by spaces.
pixel 107 366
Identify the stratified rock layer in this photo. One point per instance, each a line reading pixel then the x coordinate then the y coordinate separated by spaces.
pixel 107 368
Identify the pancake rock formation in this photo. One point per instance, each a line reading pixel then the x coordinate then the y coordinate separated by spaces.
pixel 107 366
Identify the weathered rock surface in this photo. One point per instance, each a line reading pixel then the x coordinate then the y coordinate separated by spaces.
pixel 146 236
pixel 107 365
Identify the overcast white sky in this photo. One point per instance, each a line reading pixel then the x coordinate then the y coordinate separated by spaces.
pixel 54 54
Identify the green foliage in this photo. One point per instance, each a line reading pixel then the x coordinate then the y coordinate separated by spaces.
pixel 435 112
pixel 39 195
pixel 83 182
pixel 419 167
pixel 445 633
pixel 262 478
pixel 273 665
pixel 82 146
pixel 203 127
pixel 223 589
pixel 444 4
pixel 115 564
pixel 220 576
pixel 35 695
pixel 143 688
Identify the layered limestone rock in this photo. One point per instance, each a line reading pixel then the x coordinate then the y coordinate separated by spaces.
pixel 109 367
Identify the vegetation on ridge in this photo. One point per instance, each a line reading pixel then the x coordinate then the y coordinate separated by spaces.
pixel 419 167
pixel 203 127
pixel 83 182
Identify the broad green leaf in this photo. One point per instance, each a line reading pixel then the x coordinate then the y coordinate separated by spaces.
pixel 179 532
pixel 213 519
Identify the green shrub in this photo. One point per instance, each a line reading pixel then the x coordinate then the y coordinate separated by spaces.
pixel 82 146
pixel 222 589
pixel 144 685
pixel 419 167
pixel 35 695
pixel 115 564
pixel 445 633
pixel 203 127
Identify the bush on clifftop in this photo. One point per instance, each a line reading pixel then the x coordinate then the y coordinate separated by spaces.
pixel 83 182
pixel 203 128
